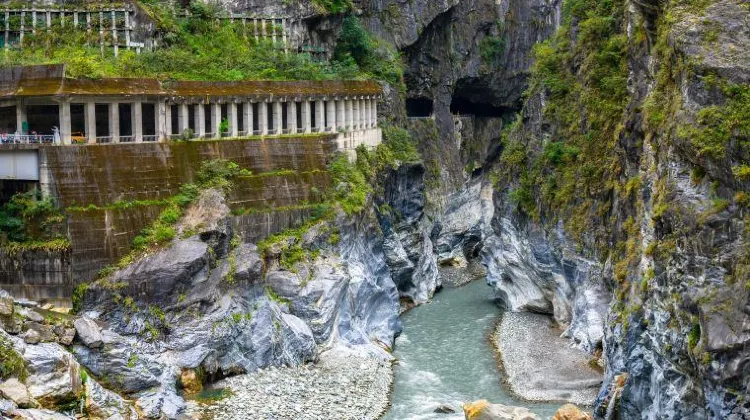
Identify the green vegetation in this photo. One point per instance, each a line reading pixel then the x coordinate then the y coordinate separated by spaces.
pixel 694 336
pixel 79 292
pixel 217 174
pixel 354 183
pixel 397 147
pixel 29 222
pixel 585 80
pixel 334 6
pixel 203 47
pixel 356 48
pixel 11 363
pixel 491 48
pixel 717 126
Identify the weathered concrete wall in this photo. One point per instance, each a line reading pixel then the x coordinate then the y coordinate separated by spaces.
pixel 288 173
pixel 38 275
pixel 104 174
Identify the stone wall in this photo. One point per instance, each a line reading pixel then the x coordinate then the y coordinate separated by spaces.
pixel 289 178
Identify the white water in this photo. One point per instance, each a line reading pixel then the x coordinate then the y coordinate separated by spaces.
pixel 445 357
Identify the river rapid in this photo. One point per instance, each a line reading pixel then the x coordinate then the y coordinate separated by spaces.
pixel 445 357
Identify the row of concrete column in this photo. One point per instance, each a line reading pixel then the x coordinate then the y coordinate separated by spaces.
pixel 347 114
pixel 330 116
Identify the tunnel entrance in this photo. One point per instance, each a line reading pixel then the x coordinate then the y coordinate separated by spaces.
pixel 463 106
pixel 418 107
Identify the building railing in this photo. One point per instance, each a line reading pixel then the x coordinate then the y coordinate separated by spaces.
pixel 127 139
pixel 150 138
pixel 104 140
pixel 27 139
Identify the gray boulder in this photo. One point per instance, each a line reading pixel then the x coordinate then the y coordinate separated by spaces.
pixel 32 337
pixel 15 391
pixel 54 375
pixel 88 331
pixel 34 414
pixel 6 306
pixel 101 403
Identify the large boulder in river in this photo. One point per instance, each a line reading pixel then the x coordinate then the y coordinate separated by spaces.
pixel 483 410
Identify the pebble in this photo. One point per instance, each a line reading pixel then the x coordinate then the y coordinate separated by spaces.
pixel 342 385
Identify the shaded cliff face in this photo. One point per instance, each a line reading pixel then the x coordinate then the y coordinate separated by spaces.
pixel 624 178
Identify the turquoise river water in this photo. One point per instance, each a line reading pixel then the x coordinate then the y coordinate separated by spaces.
pixel 445 357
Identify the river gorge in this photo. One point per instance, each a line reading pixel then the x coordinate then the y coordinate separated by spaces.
pixel 361 209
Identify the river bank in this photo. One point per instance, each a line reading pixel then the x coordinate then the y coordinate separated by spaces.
pixel 342 385
pixel 539 365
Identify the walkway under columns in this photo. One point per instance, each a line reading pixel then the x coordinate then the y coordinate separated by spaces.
pixel 342 114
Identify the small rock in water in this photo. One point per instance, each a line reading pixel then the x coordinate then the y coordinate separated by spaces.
pixel 444 409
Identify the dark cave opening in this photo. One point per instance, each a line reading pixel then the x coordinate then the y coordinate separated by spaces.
pixel 418 107
pixel 463 106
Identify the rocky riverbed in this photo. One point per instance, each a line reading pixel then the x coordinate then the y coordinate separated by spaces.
pixel 542 366
pixel 342 385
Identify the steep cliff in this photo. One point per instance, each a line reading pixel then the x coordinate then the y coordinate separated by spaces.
pixel 625 176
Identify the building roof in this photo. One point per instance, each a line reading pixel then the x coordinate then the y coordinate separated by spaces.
pixel 50 81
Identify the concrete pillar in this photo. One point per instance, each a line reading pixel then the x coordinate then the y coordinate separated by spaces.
pixel 165 113
pixel 21 119
pixel 90 116
pixel 137 121
pixel 320 116
pixel 355 114
pixel 64 116
pixel 331 112
pixel 306 117
pixel 247 117
pixel 114 122
pixel 216 119
pixel 200 120
pixel 366 114
pixel 277 120
pixel 340 115
pixel 374 113
pixel 232 117
pixel 291 116
pixel 349 115
pixel 183 118
pixel 362 115
pixel 263 118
